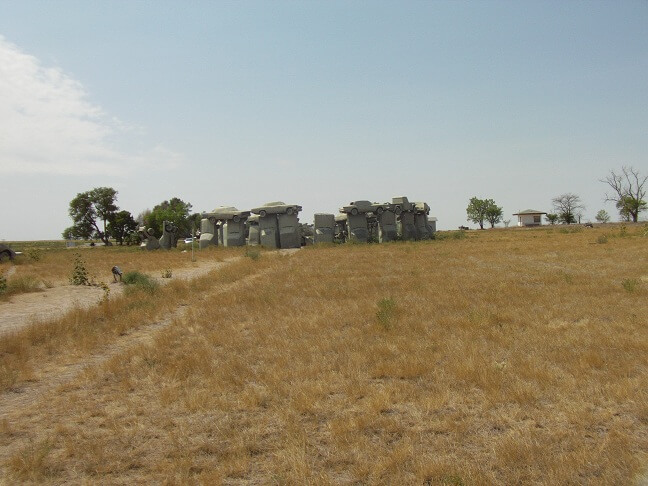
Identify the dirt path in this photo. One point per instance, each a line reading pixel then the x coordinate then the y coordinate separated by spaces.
pixel 29 393
pixel 48 304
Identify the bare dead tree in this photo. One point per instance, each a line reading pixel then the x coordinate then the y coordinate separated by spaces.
pixel 628 191
pixel 567 206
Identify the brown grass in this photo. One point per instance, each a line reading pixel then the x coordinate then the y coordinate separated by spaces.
pixel 506 357
pixel 54 266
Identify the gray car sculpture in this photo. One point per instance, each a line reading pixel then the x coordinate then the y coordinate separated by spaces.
pixel 254 235
pixel 168 239
pixel 6 253
pixel 227 224
pixel 276 207
pixel 279 225
pixel 401 203
pixel 363 206
pixel 149 241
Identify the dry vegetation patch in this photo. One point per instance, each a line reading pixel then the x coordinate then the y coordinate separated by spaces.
pixel 503 357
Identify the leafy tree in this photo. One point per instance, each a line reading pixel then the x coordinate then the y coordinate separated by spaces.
pixel 89 208
pixel 494 213
pixel 480 210
pixel 602 216
pixel 175 210
pixel 476 211
pixel 121 225
pixel 628 192
pixel 552 218
pixel 567 206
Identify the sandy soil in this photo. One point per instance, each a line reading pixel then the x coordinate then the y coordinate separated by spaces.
pixel 23 309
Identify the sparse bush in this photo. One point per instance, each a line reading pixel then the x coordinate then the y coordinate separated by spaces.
pixel 602 239
pixel 167 273
pixel 630 284
pixel 386 314
pixel 35 254
pixel 253 253
pixel 80 273
pixel 139 281
pixel 3 284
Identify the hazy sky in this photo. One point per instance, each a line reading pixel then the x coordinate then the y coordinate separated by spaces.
pixel 316 103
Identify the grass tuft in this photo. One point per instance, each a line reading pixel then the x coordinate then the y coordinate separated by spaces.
pixel 137 281
pixel 630 284
pixel 386 314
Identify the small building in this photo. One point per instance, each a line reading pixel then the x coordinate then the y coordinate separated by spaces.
pixel 432 221
pixel 529 217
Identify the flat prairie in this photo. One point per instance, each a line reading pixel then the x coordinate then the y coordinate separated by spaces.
pixel 507 356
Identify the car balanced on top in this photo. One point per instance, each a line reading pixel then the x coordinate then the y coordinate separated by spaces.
pixel 363 206
pixel 276 207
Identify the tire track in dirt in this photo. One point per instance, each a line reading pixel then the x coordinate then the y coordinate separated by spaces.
pixel 30 393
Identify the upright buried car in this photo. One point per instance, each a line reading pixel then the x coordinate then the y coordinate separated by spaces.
pixel 6 252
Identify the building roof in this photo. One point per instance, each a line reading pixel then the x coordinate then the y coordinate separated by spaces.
pixel 529 211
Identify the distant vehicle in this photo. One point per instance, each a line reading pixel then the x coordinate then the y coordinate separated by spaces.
pixel 363 206
pixel 276 207
pixel 188 240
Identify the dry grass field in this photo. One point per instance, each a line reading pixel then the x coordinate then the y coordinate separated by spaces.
pixel 494 357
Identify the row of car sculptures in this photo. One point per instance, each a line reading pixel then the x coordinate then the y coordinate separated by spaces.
pixel 276 225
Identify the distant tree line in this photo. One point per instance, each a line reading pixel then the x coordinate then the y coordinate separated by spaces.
pixel 627 191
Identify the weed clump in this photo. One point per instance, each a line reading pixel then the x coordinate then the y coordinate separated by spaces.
pixel 630 284
pixel 167 273
pixel 80 273
pixel 386 314
pixel 3 284
pixel 253 253
pixel 602 240
pixel 139 281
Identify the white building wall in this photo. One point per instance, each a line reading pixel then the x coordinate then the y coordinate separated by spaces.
pixel 529 220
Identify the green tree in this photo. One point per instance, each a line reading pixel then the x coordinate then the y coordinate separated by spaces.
pixel 628 192
pixel 175 210
pixel 629 208
pixel 120 225
pixel 494 213
pixel 87 210
pixel 480 210
pixel 476 211
pixel 567 206
pixel 552 218
pixel 602 216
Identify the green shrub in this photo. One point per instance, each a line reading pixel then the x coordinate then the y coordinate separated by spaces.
pixel 79 273
pixel 139 281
